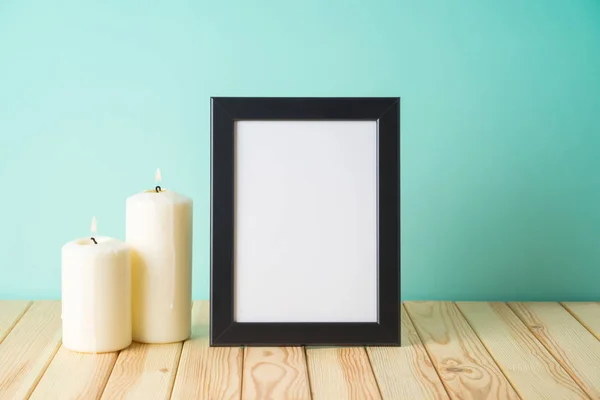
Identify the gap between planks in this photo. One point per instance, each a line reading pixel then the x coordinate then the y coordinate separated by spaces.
pixel 358 372
pixel 28 349
pixel 406 372
pixel 531 369
pixel 207 372
pixel 341 372
pixel 588 315
pixel 73 375
pixel 11 312
pixel 144 371
pixel 571 344
pixel 464 365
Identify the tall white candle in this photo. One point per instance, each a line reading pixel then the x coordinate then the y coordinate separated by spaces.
pixel 159 231
pixel 96 294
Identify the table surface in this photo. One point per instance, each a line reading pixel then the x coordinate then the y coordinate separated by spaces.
pixel 449 350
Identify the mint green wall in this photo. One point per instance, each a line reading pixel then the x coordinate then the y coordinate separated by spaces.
pixel 500 125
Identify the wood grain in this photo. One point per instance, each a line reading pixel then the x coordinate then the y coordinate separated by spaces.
pixel 275 373
pixel 207 372
pixel 547 351
pixel 10 312
pixel 466 368
pixel 588 314
pixel 406 372
pixel 144 371
pixel 28 349
pixel 73 375
pixel 341 373
pixel 573 346
pixel 532 370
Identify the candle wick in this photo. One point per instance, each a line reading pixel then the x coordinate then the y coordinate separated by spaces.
pixel 158 189
pixel 94 240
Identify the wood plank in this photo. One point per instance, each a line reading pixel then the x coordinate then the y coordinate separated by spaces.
pixel 73 375
pixel 531 369
pixel 28 349
pixel 467 370
pixel 571 344
pixel 10 312
pixel 207 372
pixel 406 372
pixel 588 314
pixel 341 373
pixel 275 373
pixel 144 371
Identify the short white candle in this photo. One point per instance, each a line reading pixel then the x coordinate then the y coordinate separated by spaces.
pixel 159 231
pixel 96 294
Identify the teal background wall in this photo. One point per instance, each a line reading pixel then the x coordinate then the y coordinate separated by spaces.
pixel 500 125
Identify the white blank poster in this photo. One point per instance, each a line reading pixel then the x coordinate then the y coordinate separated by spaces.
pixel 306 221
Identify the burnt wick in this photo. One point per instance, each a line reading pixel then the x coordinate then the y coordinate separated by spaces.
pixel 158 189
pixel 93 240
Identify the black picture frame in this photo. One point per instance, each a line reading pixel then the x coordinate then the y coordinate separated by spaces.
pixel 224 330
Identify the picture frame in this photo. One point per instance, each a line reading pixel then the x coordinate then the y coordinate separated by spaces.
pixel 305 221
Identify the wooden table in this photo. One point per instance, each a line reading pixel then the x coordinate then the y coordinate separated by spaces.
pixel 449 350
